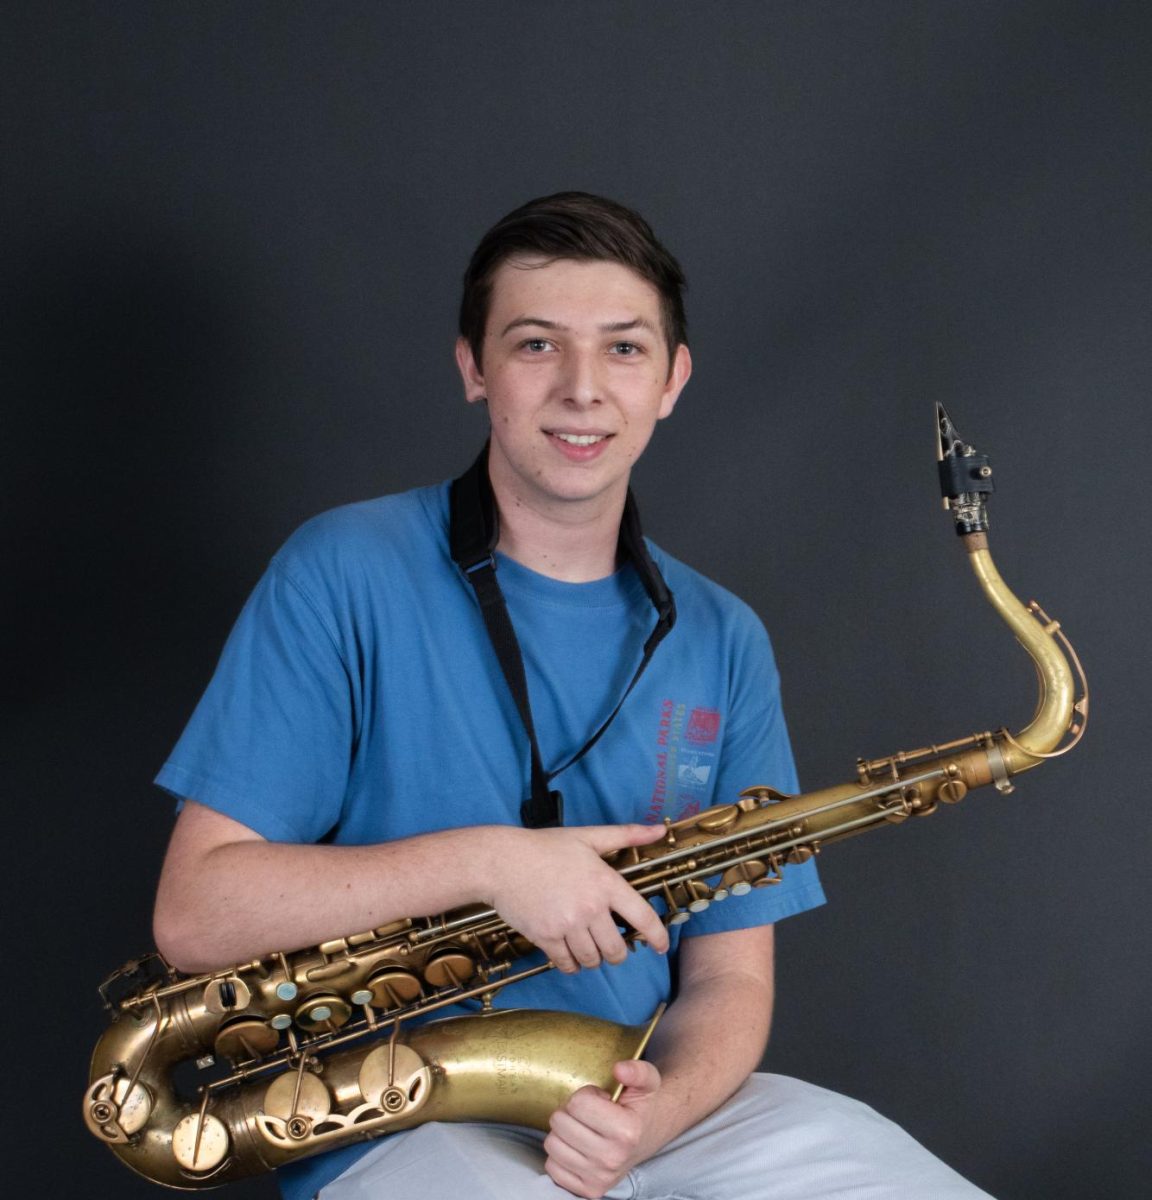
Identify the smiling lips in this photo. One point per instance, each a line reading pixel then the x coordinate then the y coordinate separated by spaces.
pixel 580 439
pixel 578 447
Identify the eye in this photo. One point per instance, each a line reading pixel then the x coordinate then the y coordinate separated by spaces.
pixel 536 345
pixel 626 349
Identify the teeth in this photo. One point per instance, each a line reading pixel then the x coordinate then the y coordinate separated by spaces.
pixel 581 439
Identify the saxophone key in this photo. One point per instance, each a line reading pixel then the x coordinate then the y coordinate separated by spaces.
pixel 394 987
pixel 952 791
pixel 395 1079
pixel 675 915
pixel 449 968
pixel 719 819
pixel 332 970
pixel 298 1094
pixel 245 1038
pixel 200 1143
pixel 323 1011
pixel 700 895
pixel 114 1112
pixel 230 994
pixel 742 878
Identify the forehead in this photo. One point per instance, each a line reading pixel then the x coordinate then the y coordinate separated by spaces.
pixel 570 291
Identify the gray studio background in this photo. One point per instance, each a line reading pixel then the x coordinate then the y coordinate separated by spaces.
pixel 232 238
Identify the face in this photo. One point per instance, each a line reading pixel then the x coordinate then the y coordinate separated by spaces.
pixel 576 374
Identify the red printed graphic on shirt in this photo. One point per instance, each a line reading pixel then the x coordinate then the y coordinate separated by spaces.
pixel 703 726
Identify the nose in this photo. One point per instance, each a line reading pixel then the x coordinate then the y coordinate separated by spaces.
pixel 581 381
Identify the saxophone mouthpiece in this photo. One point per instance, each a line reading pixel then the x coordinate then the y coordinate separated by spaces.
pixel 965 476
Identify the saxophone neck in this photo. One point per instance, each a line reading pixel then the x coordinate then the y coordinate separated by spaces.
pixel 966 484
pixel 1056 706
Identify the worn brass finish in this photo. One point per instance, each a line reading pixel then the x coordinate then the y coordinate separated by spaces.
pixel 245 1037
pixel 200 1144
pixel 515 1066
pixel 325 1046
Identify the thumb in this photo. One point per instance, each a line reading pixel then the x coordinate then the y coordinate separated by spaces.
pixel 604 839
pixel 640 1078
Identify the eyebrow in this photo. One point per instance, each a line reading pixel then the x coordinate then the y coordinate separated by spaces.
pixel 542 323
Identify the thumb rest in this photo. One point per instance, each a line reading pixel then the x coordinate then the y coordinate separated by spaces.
pixel 324 1047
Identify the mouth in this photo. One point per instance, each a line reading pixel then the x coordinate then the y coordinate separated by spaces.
pixel 579 439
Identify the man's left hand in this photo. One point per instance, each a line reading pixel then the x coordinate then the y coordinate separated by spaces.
pixel 594 1143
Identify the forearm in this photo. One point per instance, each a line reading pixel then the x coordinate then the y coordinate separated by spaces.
pixel 247 898
pixel 706 1045
pixel 226 895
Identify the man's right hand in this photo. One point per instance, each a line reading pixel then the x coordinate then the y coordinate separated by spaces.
pixel 554 887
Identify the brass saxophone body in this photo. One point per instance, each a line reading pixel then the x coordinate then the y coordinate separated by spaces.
pixel 295 1053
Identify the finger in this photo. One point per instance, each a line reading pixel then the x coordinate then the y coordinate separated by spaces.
pixel 604 839
pixel 637 912
pixel 597 1161
pixel 573 1145
pixel 569 1125
pixel 570 1180
pixel 639 1078
pixel 595 1126
pixel 560 956
pixel 582 947
pixel 608 940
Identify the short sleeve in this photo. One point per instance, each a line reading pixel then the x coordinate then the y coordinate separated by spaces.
pixel 271 739
pixel 756 751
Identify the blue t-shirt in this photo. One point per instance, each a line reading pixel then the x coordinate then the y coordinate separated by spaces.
pixel 358 700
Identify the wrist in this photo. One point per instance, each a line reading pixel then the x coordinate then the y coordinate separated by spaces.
pixel 488 851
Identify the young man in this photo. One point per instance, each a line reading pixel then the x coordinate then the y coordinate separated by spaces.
pixel 360 755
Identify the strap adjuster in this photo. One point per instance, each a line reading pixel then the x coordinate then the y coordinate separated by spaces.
pixel 489 560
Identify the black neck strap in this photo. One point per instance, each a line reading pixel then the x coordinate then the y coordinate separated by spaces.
pixel 474 529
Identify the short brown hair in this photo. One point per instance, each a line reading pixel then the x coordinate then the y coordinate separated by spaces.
pixel 579 226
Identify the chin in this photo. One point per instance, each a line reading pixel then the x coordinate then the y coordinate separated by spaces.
pixel 585 488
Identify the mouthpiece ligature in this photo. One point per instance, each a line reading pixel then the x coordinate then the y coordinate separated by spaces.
pixel 965 476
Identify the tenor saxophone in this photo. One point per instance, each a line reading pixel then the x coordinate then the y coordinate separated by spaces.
pixel 203 1079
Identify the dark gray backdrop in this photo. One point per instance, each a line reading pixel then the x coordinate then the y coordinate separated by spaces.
pixel 232 240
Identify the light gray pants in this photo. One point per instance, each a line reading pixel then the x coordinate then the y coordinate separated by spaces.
pixel 776 1139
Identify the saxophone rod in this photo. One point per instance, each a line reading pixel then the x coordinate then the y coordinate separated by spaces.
pixel 638 1053
pixel 881 814
pixel 464 923
pixel 771 826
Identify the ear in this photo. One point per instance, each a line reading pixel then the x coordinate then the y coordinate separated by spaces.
pixel 469 371
pixel 677 378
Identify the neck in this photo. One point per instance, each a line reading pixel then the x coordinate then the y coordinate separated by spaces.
pixel 572 542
